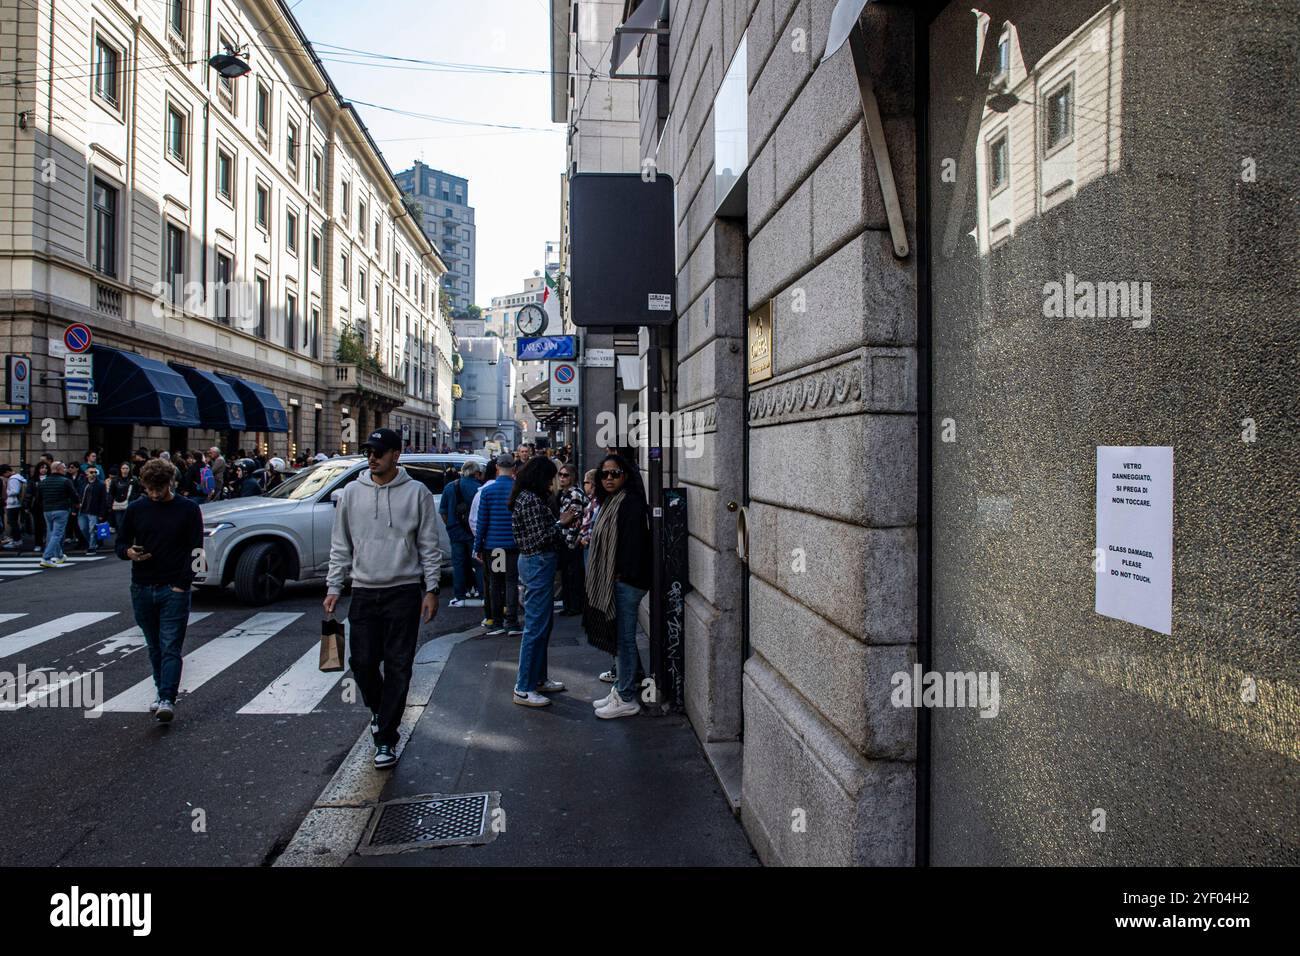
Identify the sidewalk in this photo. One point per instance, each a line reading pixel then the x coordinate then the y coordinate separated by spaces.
pixel 575 790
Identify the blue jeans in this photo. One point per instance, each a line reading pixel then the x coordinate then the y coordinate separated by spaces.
pixel 87 524
pixel 626 600
pixel 56 524
pixel 463 567
pixel 162 615
pixel 537 574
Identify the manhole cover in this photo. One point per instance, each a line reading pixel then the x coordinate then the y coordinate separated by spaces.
pixel 414 823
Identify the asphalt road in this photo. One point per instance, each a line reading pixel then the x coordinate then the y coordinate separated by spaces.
pixel 227 783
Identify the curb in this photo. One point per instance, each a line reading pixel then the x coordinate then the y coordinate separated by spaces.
pixel 337 820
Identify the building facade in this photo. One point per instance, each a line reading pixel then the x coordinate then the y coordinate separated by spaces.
pixel 238 247
pixel 901 408
pixel 447 218
pixel 488 383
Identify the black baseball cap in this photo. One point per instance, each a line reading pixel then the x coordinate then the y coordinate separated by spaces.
pixel 383 439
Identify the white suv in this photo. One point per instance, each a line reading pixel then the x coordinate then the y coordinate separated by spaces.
pixel 260 544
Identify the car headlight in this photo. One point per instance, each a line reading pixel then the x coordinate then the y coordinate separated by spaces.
pixel 210 529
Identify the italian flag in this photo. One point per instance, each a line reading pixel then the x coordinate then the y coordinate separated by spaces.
pixel 551 303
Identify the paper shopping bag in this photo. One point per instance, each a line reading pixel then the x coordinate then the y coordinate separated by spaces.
pixel 331 645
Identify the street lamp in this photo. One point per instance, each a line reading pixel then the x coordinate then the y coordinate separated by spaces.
pixel 229 64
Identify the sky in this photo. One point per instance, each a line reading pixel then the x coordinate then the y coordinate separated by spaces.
pixel 514 175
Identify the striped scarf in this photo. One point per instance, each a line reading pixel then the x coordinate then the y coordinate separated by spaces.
pixel 599 619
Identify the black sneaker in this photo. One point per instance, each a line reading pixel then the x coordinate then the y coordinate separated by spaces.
pixel 513 629
pixel 384 757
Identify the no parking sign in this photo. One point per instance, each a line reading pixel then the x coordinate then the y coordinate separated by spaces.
pixel 564 383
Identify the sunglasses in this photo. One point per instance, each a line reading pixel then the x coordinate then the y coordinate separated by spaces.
pixel 611 473
pixel 377 452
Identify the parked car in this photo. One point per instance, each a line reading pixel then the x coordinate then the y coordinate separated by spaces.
pixel 259 544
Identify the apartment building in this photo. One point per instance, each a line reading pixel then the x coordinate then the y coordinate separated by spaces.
pixel 237 245
pixel 448 218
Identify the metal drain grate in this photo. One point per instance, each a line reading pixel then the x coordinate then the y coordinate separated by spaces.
pixel 432 820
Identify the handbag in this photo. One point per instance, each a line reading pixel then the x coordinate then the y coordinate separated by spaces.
pixel 103 531
pixel 331 645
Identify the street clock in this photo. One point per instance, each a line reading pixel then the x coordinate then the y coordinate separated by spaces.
pixel 531 319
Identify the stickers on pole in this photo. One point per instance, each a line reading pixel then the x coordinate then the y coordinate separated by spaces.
pixel 1134 560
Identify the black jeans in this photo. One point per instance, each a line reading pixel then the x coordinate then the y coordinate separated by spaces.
pixel 385 626
pixel 573 580
pixel 504 583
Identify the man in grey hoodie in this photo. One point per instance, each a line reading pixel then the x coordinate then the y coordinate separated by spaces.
pixel 385 537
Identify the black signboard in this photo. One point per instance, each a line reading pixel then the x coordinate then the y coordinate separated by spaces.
pixel 622 271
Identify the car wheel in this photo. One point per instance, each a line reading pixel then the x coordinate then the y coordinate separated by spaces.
pixel 260 574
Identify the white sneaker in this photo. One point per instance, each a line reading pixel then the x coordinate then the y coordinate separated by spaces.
pixel 48 564
pixel 618 707
pixel 609 676
pixel 531 699
pixel 456 602
pixel 609 698
pixel 549 686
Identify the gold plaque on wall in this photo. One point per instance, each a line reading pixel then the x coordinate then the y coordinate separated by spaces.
pixel 759 342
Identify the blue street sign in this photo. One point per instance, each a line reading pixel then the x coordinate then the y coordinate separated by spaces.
pixel 546 347
pixel 15 416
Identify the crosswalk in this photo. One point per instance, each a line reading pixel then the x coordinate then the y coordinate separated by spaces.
pixel 16 567
pixel 87 646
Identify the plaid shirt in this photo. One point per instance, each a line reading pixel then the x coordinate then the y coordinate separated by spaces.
pixel 535 528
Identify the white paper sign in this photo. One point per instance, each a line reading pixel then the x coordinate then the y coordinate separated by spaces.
pixel 1134 560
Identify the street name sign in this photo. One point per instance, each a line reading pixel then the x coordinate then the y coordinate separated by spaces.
pixel 546 347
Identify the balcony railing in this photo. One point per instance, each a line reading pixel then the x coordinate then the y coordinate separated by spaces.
pixel 354 378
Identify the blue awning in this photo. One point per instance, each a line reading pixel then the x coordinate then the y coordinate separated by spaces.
pixel 262 410
pixel 219 406
pixel 134 390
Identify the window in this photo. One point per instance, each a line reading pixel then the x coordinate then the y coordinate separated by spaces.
pixel 408 277
pixel 1004 56
pixel 176 133
pixel 291 231
pixel 345 204
pixel 378 235
pixel 263 114
pixel 312 335
pixel 345 270
pixel 225 175
pixel 290 320
pixel 361 218
pixel 316 173
pixel 361 284
pixel 291 148
pixel 998 156
pixel 176 17
pixel 263 305
pixel 107 58
pixel 174 262
pixel 315 250
pixel 224 275
pixel 1058 117
pixel 379 301
pixel 263 205
pixel 104 202
pixel 226 85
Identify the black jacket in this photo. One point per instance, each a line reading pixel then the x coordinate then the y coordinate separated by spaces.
pixel 94 500
pixel 632 560
pixel 58 493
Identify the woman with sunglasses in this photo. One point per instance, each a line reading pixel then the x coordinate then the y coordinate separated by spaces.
pixel 538 536
pixel 618 576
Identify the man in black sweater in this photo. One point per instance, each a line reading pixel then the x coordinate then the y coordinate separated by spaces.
pixel 162 535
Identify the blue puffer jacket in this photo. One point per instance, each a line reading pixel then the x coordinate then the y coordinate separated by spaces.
pixel 494 529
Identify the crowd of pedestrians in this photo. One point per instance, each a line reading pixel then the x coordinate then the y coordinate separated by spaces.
pixel 58 505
